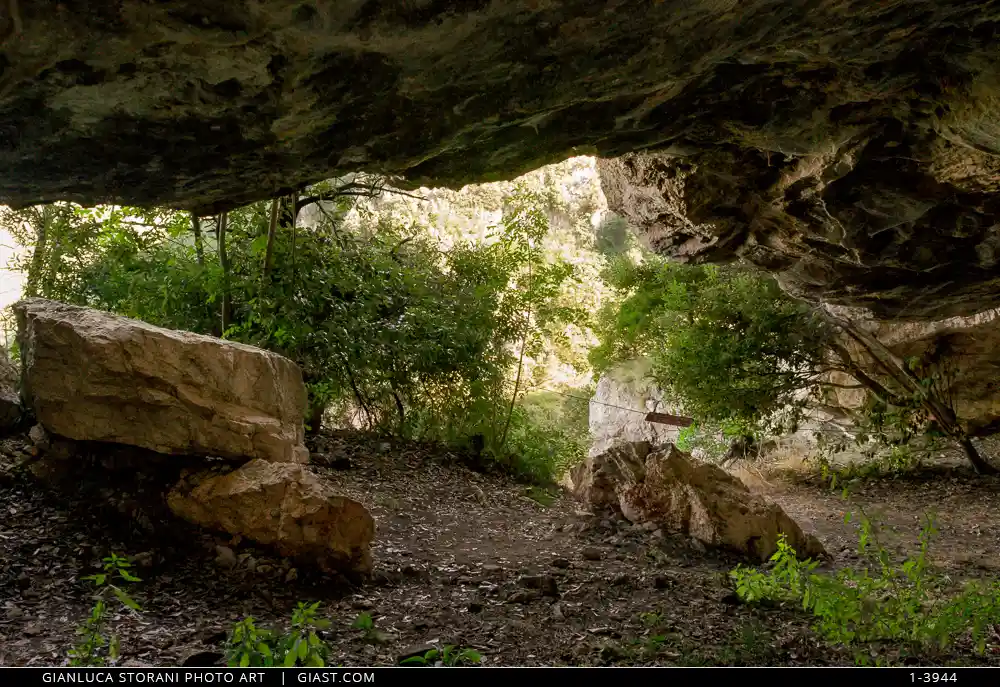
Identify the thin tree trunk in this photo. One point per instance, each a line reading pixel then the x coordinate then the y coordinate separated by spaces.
pixel 224 264
pixel 896 369
pixel 295 216
pixel 972 453
pixel 271 230
pixel 199 240
pixel 520 370
pixel 37 265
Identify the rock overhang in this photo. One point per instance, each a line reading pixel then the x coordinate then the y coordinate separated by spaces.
pixel 851 147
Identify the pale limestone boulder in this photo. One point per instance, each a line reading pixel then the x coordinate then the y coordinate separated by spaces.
pixel 92 376
pixel 283 506
pixel 666 489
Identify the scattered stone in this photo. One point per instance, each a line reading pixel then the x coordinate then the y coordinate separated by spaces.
pixel 561 563
pixel 224 557
pixel 414 651
pixel 524 596
pixel 546 584
pixel 491 568
pixel 13 613
pixel 284 506
pixel 591 553
pixel 33 629
pixel 92 376
pixel 663 582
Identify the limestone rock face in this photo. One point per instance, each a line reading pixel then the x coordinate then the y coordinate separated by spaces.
pixel 851 146
pixel 93 376
pixel 669 490
pixel 11 412
pixel 621 392
pixel 283 506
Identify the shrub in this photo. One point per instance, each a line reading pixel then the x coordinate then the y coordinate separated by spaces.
pixel 902 604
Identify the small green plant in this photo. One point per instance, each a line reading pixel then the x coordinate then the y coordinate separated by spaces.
pixel 252 647
pixel 446 656
pixel 366 624
pixel 97 646
pixel 902 604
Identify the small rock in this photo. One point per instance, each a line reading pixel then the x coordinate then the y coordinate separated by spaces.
pixel 524 596
pixel 224 557
pixel 292 575
pixel 561 563
pixel 13 613
pixel 557 612
pixel 698 545
pixel 33 629
pixel 491 568
pixel 362 605
pixel 413 651
pixel 591 553
pixel 663 582
pixel 144 559
pixel 546 584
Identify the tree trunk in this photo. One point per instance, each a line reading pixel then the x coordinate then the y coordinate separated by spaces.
pixel 978 462
pixel 939 409
pixel 199 241
pixel 227 304
pixel 33 279
pixel 315 420
pixel 271 230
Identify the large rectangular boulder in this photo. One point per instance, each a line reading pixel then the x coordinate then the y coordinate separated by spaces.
pixel 93 376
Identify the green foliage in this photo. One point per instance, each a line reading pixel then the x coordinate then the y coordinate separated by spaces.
pixel 884 602
pixel 446 656
pixel 96 646
pixel 426 343
pixel 254 647
pixel 726 343
pixel 613 236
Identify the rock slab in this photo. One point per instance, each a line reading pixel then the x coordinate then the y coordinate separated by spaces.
pixel 283 506
pixel 667 489
pixel 92 376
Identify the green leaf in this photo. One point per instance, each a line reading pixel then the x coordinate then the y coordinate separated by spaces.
pixel 125 598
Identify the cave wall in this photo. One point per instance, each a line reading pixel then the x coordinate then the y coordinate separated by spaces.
pixel 849 146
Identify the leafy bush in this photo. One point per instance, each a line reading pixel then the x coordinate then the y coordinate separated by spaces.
pixel 251 646
pixel 422 342
pixel 902 604
pixel 726 343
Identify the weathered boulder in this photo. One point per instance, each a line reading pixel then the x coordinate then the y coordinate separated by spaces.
pixel 618 408
pixel 283 506
pixel 667 489
pixel 92 376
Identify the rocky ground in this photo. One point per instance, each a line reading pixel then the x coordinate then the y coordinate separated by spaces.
pixel 463 558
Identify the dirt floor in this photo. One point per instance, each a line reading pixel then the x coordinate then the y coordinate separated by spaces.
pixel 464 559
